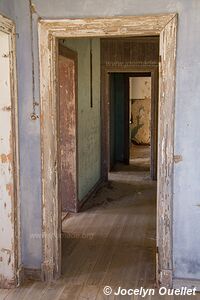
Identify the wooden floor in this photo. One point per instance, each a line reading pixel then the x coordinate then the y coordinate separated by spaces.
pixel 111 244
pixel 140 152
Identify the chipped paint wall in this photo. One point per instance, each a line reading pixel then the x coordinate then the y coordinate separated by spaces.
pixel 88 117
pixel 140 109
pixel 29 139
pixel 186 211
pixel 7 259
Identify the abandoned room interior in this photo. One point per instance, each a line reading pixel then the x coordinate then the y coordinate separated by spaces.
pixel 99 173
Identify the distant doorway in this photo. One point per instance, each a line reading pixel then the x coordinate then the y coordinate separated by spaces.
pixel 134 118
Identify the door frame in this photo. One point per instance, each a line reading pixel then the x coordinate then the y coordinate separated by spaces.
pixel 8 26
pixel 133 71
pixel 164 26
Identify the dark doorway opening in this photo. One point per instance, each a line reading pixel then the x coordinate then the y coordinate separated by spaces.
pixel 133 120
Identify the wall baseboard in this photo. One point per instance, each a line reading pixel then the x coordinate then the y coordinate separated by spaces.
pixel 100 183
pixel 184 282
pixel 32 274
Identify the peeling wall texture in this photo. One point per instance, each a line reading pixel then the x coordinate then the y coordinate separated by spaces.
pixel 140 109
pixel 7 259
pixel 29 139
pixel 186 211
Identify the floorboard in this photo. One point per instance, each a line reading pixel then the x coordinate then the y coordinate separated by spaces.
pixel 113 243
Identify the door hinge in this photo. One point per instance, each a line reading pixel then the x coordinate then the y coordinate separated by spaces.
pixel 160 58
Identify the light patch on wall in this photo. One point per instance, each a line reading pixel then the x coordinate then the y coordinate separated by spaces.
pixel 140 109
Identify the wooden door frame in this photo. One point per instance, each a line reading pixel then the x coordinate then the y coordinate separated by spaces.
pixel 8 26
pixel 131 71
pixel 66 52
pixel 126 120
pixel 164 26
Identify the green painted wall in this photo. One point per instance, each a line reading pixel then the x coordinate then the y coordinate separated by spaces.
pixel 117 118
pixel 89 132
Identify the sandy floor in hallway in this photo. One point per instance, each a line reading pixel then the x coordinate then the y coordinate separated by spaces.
pixel 109 244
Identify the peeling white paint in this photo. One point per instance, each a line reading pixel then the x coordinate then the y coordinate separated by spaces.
pixel 6 170
pixel 9 163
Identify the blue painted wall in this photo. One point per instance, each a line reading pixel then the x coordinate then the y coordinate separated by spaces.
pixel 186 202
pixel 7 8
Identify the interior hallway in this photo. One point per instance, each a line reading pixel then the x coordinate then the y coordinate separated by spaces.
pixel 112 243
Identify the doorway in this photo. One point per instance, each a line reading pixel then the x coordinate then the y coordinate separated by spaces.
pixel 126 115
pixel 133 118
pixel 163 26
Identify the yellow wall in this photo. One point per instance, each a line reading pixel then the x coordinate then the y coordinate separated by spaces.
pixel 140 109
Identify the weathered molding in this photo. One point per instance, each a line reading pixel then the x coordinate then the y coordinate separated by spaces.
pixel 8 26
pixel 166 115
pixel 110 26
pixel 49 31
pixel 20 275
pixel 165 278
pixel 105 103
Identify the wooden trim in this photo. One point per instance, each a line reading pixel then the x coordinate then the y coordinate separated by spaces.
pixel 154 123
pixel 105 107
pixel 126 120
pixel 166 116
pixel 8 26
pixel 107 27
pixel 49 30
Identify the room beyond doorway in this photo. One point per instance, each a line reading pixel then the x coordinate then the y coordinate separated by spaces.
pixel 133 117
